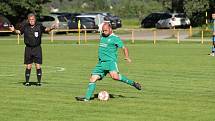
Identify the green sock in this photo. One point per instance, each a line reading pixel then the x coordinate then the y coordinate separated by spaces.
pixel 125 80
pixel 90 90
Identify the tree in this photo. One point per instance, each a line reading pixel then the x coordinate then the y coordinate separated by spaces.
pixel 195 10
pixel 20 8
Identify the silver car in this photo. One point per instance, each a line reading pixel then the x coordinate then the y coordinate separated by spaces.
pixel 173 20
pixel 58 20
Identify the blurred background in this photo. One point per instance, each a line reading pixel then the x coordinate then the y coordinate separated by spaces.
pixel 128 13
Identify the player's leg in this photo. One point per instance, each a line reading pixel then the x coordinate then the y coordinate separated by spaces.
pixel 97 74
pixel 91 86
pixel 114 73
pixel 116 76
pixel 37 55
pixel 28 62
pixel 213 48
pixel 90 89
pixel 39 74
pixel 27 74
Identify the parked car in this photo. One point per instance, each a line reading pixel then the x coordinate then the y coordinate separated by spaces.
pixel 90 21
pixel 87 22
pixel 59 20
pixel 115 21
pixel 70 18
pixel 4 24
pixel 165 20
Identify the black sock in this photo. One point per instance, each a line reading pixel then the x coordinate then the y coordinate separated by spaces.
pixel 27 75
pixel 39 75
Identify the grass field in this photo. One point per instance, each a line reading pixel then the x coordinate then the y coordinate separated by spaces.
pixel 178 81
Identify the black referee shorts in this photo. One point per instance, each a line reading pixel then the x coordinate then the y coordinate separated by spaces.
pixel 33 55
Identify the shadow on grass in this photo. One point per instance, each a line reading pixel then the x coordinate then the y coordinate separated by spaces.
pixel 113 96
pixel 30 83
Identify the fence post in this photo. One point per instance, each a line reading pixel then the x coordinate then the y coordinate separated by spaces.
pixel 202 40
pixel 132 36
pixel 154 36
pixel 52 36
pixel 85 35
pixel 79 32
pixel 67 32
pixel 206 20
pixel 174 32
pixel 18 39
pixel 190 32
pixel 178 37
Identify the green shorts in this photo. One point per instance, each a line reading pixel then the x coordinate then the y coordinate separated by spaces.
pixel 103 68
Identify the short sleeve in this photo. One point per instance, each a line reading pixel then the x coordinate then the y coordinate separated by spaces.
pixel 22 26
pixel 43 28
pixel 119 43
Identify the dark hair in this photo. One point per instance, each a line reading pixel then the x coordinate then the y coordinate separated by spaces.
pixel 106 18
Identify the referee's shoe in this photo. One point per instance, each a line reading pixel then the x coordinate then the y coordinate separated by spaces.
pixel 39 84
pixel 27 84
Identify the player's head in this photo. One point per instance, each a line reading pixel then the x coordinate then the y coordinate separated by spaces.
pixel 106 30
pixel 31 19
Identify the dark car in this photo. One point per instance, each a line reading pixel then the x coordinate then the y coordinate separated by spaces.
pixel 86 22
pixel 151 20
pixel 4 24
pixel 113 19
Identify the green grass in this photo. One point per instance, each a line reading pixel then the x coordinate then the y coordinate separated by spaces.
pixel 178 81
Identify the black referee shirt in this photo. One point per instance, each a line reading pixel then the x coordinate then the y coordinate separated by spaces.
pixel 32 36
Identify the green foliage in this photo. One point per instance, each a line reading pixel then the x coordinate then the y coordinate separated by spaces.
pixel 138 8
pixel 20 8
pixel 195 9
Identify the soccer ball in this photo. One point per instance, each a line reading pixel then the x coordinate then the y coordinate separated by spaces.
pixel 103 96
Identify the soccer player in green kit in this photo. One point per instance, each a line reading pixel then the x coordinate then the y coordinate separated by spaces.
pixel 109 43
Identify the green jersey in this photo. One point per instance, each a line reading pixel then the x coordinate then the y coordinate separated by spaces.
pixel 108 48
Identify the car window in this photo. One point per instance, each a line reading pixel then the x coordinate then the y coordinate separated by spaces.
pixel 46 18
pixel 166 16
pixel 157 16
pixel 61 18
pixel 83 19
pixel 150 16
pixel 180 15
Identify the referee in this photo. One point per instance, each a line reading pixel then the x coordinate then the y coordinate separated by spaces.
pixel 32 31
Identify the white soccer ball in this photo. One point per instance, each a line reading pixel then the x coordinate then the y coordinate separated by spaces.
pixel 103 96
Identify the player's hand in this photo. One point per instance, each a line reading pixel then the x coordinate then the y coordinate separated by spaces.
pixel 12 28
pixel 128 60
pixel 54 26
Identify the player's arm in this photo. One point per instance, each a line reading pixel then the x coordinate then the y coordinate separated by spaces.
pixel 121 45
pixel 126 53
pixel 51 28
pixel 14 30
